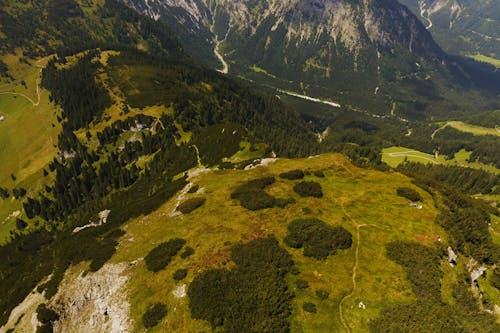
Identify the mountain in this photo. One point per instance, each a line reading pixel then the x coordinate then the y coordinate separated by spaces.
pixel 141 190
pixel 362 54
pixel 464 27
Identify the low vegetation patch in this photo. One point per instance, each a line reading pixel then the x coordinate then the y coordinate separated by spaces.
pixel 308 189
pixel 319 174
pixel 162 255
pixel 189 251
pixel 293 175
pixel 252 195
pixel 194 189
pixel 409 194
pixel 322 294
pixel 251 297
pixel 429 313
pixel 309 307
pixel 318 239
pixel 302 284
pixel 180 274
pixel 46 317
pixel 154 314
pixel 190 205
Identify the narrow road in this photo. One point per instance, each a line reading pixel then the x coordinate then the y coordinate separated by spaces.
pixel 317 100
pixel 409 154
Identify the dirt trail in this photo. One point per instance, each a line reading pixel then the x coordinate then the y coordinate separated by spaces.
pixel 355 266
pixel 25 96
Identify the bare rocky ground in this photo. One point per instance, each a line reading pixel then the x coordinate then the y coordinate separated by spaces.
pixel 94 302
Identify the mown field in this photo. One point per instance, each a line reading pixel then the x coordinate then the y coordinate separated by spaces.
pixel 394 156
pixel 28 135
pixel 359 200
pixel 483 58
pixel 476 130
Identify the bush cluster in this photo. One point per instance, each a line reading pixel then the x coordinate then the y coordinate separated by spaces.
pixel 180 274
pixel 46 317
pixel 322 294
pixel 308 189
pixel 318 239
pixel 190 205
pixel 189 251
pixel 309 307
pixel 319 174
pixel 252 195
pixel 293 175
pixel 252 297
pixel 160 256
pixel 409 194
pixel 154 314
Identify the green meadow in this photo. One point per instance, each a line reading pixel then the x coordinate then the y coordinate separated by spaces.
pixel 359 200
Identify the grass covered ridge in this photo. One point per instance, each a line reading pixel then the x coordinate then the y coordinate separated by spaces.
pixel 353 198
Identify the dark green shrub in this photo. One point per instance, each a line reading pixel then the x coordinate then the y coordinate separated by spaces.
pixel 252 186
pixel 191 204
pixel 308 189
pixel 257 200
pixel 46 315
pixel 189 251
pixel 282 203
pixel 322 294
pixel 160 256
pixel 154 314
pixel 306 210
pixel 194 189
pixel 309 307
pixel 319 174
pixel 253 197
pixel 44 328
pixel 292 175
pixel 251 297
pixel 4 193
pixel 20 224
pixel 495 278
pixel 180 274
pixel 302 284
pixel 409 194
pixel 318 239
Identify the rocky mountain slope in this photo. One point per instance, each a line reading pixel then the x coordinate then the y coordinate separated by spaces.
pixel 365 54
pixel 464 27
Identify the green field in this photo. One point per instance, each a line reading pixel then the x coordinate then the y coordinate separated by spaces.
pixel 482 58
pixel 476 130
pixel 394 156
pixel 28 135
pixel 360 200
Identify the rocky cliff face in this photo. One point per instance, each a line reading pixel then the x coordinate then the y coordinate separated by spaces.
pixel 461 26
pixel 341 49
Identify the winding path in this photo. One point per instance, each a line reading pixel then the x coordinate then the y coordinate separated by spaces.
pixel 355 267
pixel 354 270
pixel 25 96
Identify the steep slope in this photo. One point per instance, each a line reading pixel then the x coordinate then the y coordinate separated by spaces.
pixel 364 54
pixel 464 27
